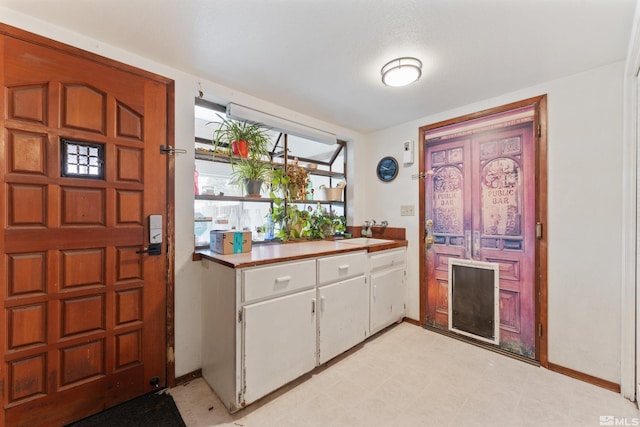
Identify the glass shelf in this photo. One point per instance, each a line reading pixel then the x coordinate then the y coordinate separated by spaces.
pixel 325 165
pixel 322 202
pixel 233 198
pixel 223 158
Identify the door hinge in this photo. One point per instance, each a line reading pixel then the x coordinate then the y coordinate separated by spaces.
pixel 539 130
pixel 171 150
pixel 539 329
pixel 239 316
pixel 538 230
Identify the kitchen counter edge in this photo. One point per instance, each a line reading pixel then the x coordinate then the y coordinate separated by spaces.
pixel 271 254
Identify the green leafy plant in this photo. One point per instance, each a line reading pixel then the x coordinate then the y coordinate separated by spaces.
pixel 279 183
pixel 247 145
pixel 290 220
pixel 322 223
pixel 290 184
pixel 230 133
pixel 247 169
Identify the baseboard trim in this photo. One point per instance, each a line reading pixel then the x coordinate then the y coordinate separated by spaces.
pixel 183 379
pixel 609 385
pixel 412 321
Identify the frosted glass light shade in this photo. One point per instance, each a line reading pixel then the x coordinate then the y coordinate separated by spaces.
pixel 401 71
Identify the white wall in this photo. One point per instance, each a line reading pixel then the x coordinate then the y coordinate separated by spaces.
pixel 584 222
pixel 188 325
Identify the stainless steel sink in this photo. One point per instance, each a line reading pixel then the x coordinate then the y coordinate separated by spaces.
pixel 364 241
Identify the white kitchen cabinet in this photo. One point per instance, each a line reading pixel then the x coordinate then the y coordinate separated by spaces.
pixel 387 288
pixel 343 303
pixel 259 328
pixel 279 342
pixel 264 326
pixel 342 317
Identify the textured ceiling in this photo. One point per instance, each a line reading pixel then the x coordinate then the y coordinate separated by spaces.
pixel 322 58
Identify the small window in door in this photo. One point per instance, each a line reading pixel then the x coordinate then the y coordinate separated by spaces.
pixel 81 159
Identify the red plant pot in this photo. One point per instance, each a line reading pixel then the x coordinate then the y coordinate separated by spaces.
pixel 240 148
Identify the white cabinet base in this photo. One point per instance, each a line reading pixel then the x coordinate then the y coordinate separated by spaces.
pixel 265 326
pixel 279 338
pixel 387 298
pixel 342 317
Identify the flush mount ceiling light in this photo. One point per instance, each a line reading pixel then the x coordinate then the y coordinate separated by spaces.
pixel 401 71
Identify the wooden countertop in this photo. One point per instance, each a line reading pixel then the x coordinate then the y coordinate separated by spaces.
pixel 269 254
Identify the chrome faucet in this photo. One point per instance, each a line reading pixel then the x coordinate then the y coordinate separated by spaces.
pixel 366 229
pixel 370 229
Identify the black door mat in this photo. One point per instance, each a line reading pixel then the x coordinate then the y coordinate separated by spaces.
pixel 149 410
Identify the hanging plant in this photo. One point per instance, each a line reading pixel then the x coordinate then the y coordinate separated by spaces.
pixel 241 140
pixel 247 145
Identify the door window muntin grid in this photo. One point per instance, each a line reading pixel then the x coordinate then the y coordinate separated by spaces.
pixel 81 159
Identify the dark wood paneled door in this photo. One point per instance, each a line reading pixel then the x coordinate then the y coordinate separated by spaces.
pixel 480 205
pixel 84 314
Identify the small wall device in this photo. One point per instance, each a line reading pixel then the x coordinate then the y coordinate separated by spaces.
pixel 407 152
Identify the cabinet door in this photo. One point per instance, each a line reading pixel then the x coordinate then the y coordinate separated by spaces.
pixel 343 316
pixel 279 342
pixel 387 298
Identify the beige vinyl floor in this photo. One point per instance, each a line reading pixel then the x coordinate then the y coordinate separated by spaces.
pixel 408 376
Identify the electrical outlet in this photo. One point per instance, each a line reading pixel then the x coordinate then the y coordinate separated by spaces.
pixel 407 210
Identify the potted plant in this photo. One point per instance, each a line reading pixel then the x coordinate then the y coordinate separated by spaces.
pixel 250 173
pixel 241 139
pixel 298 181
pixel 247 145
pixel 322 223
pixel 290 219
pixel 288 186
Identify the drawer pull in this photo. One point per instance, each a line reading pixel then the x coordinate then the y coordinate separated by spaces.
pixel 313 306
pixel 283 279
pixel 343 267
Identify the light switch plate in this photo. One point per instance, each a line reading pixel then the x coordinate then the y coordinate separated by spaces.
pixel 407 210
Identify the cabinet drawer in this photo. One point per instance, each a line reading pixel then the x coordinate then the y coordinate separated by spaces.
pixel 391 258
pixel 340 267
pixel 264 282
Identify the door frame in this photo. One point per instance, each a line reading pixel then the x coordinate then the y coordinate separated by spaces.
pixel 46 42
pixel 540 154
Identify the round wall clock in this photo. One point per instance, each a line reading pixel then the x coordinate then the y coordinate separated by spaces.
pixel 387 169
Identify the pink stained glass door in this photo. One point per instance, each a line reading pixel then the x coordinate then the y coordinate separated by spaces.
pixel 480 200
